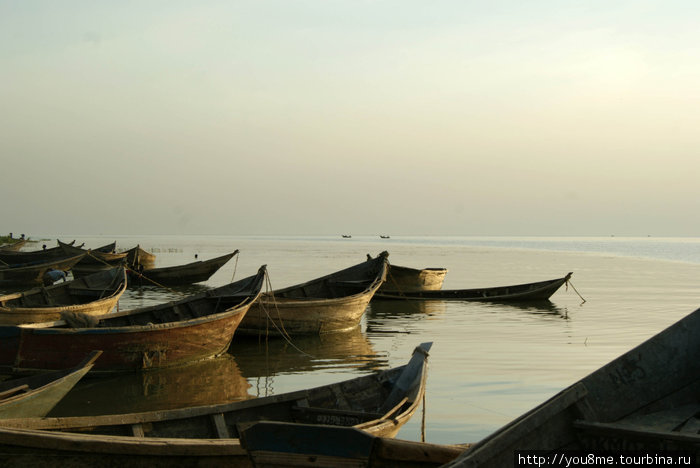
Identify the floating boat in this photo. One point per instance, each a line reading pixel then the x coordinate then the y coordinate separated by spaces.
pixel 646 401
pixel 97 259
pixel 33 273
pixel 136 256
pixel 189 273
pixel 379 404
pixel 10 257
pixel 95 294
pixel 539 291
pixel 197 327
pixel 331 303
pixel 406 279
pixel 36 395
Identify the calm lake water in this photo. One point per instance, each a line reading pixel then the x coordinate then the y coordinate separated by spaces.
pixel 489 363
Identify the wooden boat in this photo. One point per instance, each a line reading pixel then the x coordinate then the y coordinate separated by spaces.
pixel 539 291
pixel 272 443
pixel 96 294
pixel 189 273
pixel 36 395
pixel 97 259
pixel 136 256
pixel 28 274
pixel 14 246
pixel 197 327
pixel 331 303
pixel 10 257
pixel 379 404
pixel 405 279
pixel 645 401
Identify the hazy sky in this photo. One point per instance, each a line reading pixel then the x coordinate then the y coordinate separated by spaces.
pixel 347 116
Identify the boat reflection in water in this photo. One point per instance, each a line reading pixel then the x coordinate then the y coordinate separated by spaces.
pixel 208 382
pixel 380 309
pixel 261 358
pixel 542 308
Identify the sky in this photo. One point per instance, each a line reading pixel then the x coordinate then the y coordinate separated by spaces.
pixel 361 117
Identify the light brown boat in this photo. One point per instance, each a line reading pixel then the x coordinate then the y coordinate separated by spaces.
pixel 331 303
pixel 94 295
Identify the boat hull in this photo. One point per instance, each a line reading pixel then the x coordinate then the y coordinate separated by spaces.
pixel 13 314
pixel 403 279
pixel 539 291
pixel 279 316
pixel 124 348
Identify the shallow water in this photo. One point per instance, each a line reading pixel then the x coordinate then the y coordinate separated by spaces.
pixel 489 363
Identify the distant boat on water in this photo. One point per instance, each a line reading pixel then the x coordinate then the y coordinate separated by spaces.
pixel 346 236
pixel 385 237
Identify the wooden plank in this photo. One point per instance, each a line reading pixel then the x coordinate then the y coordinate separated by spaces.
pixel 220 425
pixel 137 430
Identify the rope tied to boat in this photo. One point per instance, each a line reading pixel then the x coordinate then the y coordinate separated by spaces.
pixel 281 331
pixel 568 282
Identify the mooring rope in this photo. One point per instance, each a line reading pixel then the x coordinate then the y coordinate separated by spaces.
pixel 568 282
pixel 282 331
pixel 235 266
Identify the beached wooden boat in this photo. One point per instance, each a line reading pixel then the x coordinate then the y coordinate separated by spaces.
pixel 278 444
pixel 36 395
pixel 379 404
pixel 136 256
pixel 96 294
pixel 645 401
pixel 331 303
pixel 539 291
pixel 14 246
pixel 29 274
pixel 197 327
pixel 189 273
pixel 406 279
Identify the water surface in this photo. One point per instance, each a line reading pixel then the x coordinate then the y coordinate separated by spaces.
pixel 489 363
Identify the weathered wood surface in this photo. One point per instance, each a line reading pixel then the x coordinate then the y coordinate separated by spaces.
pixel 331 303
pixel 538 291
pixel 96 294
pixel 405 279
pixel 11 257
pixel 95 260
pixel 619 407
pixel 189 273
pixel 191 329
pixel 136 256
pixel 36 395
pixel 355 402
pixel 28 274
pixel 14 246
